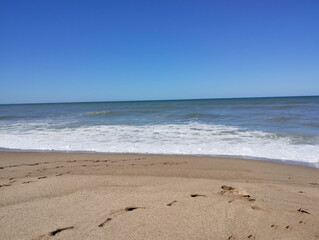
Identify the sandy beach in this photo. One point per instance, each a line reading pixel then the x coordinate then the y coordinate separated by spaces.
pixel 103 196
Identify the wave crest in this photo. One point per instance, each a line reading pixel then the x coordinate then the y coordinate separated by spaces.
pixel 200 115
pixel 100 113
pixel 190 138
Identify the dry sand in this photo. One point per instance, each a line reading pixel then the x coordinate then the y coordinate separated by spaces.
pixel 95 196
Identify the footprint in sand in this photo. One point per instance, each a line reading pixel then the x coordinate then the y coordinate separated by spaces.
pixel 5 185
pixel 197 195
pixel 236 192
pixel 55 232
pixel 303 210
pixel 171 203
pixel 42 177
pixel 119 212
pixel 103 223
pixel 129 209
pixel 27 182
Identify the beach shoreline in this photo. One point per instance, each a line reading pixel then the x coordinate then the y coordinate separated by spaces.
pixel 56 195
pixel 279 161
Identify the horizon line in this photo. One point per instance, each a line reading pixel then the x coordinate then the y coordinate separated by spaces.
pixel 153 100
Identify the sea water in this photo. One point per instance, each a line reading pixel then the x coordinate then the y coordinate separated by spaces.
pixel 282 128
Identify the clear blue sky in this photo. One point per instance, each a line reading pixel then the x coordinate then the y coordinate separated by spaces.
pixel 61 50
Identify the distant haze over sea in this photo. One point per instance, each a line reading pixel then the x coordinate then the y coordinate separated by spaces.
pixel 282 128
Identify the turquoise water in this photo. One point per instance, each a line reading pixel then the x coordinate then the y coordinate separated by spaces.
pixel 284 128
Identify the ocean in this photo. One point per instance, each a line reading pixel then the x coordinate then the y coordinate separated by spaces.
pixel 275 129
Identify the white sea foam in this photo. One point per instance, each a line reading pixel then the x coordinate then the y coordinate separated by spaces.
pixel 191 138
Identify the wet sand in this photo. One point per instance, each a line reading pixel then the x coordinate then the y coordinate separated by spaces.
pixel 103 196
